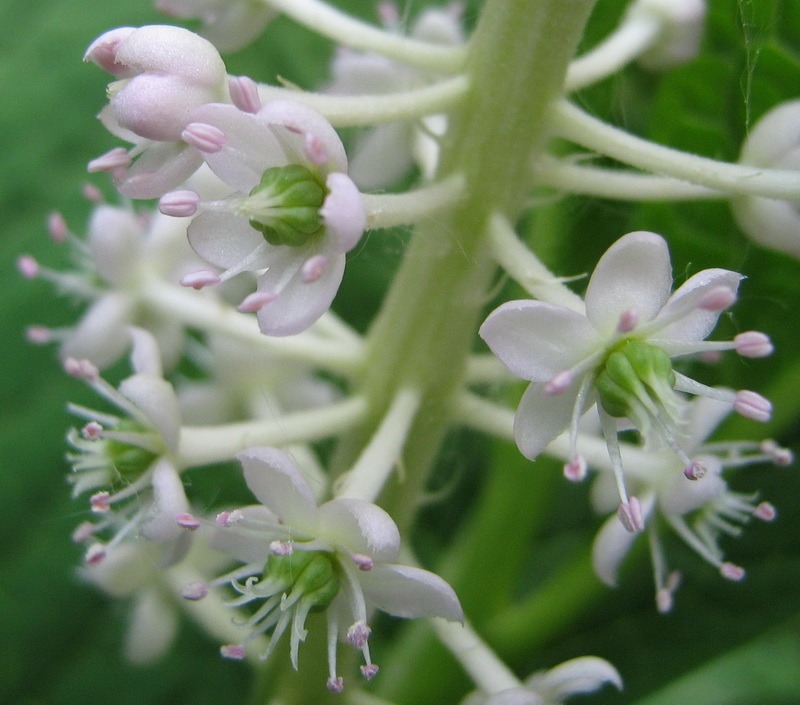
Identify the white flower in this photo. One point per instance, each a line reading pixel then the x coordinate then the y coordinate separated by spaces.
pixel 228 24
pixel 163 72
pixel 336 557
pixel 295 213
pixel 618 353
pixel 699 510
pixel 579 675
pixel 129 459
pixel 774 142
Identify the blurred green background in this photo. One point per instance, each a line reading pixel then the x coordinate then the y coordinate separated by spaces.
pixel 725 644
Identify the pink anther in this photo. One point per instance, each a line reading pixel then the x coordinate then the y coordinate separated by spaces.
pixel 194 591
pixel 313 268
pixel 335 684
pixel 117 158
pixel 187 521
pixel 38 335
pixel 363 561
pixel 717 299
pixel 235 652
pixel 28 267
pixel 695 470
pixel 628 320
pixel 559 384
pixel 204 137
pixel 766 512
pixel 576 469
pixel 732 571
pixel 200 279
pixel 244 94
pixel 753 343
pixel 179 204
pixel 630 514
pixel 752 405
pixel 252 303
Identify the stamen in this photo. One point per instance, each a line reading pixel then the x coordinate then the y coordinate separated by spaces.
pixel 281 548
pixel 752 405
pixel 732 572
pixel 717 299
pixel 244 93
pixel 335 684
pixel 226 519
pixel 362 561
pixel 39 335
pixel 753 344
pixel 358 634
pixel 234 652
pixel 187 521
pixel 201 279
pixel 315 149
pixel 695 470
pixel 204 137
pixel 81 369
pixel 83 532
pixel 628 320
pixel 28 266
pixel 92 193
pixel 99 502
pixel 252 303
pixel 630 514
pixel 576 469
pixel 369 671
pixel 95 553
pixel 179 204
pixel 117 158
pixel 313 268
pixel 91 431
pixel 194 591
pixel 766 512
pixel 778 455
pixel 560 383
pixel 57 227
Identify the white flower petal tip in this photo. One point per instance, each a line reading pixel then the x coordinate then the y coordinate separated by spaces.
pixel 774 142
pixel 585 674
pixel 682 23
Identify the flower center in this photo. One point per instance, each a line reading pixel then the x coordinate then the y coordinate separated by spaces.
pixel 129 460
pixel 309 575
pixel 285 205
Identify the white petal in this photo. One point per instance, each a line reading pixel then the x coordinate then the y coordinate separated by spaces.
pixel 579 675
pixel 145 357
pixel 153 626
pixel 238 25
pixel 697 323
pixel 299 303
pixel 613 542
pixel 774 224
pixel 381 156
pixel 276 482
pixel 537 340
pixel 512 696
pixel 162 167
pixel 115 241
pixel 705 414
pixel 292 122
pixel 541 417
pixel 409 592
pixel 356 73
pixel 634 274
pixel 246 546
pixel 225 239
pixel 343 213
pixel 156 398
pixel 361 527
pixel 250 146
pixel 100 334
pixel 169 500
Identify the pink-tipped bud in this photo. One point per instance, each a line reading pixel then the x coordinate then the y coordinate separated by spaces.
pixel 179 204
pixel 576 469
pixel 252 303
pixel 229 518
pixel 358 634
pixel 752 405
pixel 194 591
pixel 92 431
pixel 369 671
pixel 200 279
pixel 628 320
pixel 206 138
pixel 27 266
pixel 187 521
pixel 83 532
pixel 315 149
pixel 281 548
pixel 335 684
pixel 753 344
pixel 99 502
pixel 559 384
pixel 244 93
pixel 766 512
pixel 81 369
pixel 630 514
pixel 313 268
pixel 117 158
pixel 730 571
pixel 38 335
pixel 695 470
pixel 103 50
pixel 235 652
pixel 94 554
pixel 363 561
pixel 57 227
pixel 717 299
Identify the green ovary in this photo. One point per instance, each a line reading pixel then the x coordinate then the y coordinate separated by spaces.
pixel 309 573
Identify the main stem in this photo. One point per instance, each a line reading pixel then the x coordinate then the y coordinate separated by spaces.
pixel 517 63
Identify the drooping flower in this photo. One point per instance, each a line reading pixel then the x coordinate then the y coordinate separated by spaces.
pixel 162 73
pixel 128 460
pixel 699 511
pixel 294 214
pixel 618 354
pixel 336 557
pixel 122 255
pixel 579 675
pixel 773 142
pixel 383 154
pixel 228 24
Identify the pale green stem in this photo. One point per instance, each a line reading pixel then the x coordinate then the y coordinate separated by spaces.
pixel 498 421
pixel 212 315
pixel 389 210
pixel 575 125
pixel 484 368
pixel 366 110
pixel 380 457
pixel 481 663
pixel 203 445
pixel 617 183
pixel 329 22
pixel 526 268
pixel 634 36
